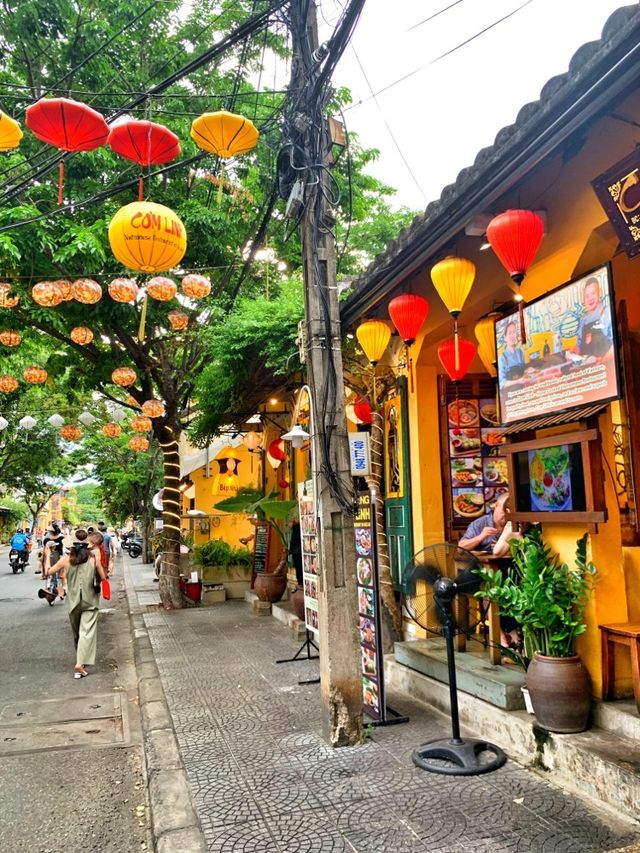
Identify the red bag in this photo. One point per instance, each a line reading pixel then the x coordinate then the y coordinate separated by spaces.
pixel 105 589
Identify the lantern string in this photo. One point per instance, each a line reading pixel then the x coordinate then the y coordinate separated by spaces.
pixel 141 188
pixel 60 181
pixel 456 344
pixel 143 319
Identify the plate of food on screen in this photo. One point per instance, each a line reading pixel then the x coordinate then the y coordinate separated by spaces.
pixel 468 504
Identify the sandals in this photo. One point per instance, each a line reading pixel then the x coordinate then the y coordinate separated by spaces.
pixel 79 671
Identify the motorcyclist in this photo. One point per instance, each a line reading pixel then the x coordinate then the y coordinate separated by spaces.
pixel 18 543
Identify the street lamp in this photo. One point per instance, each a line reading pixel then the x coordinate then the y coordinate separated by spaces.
pixel 297 436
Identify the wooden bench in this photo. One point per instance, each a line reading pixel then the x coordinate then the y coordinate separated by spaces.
pixel 624 634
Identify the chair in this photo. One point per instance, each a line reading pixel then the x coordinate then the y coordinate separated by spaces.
pixel 624 634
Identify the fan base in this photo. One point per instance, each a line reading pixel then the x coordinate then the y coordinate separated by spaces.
pixel 463 756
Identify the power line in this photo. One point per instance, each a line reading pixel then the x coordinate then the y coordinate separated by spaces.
pixel 435 15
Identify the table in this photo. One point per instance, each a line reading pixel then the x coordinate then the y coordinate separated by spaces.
pixel 493 613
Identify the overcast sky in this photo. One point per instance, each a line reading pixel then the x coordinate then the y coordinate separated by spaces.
pixel 444 113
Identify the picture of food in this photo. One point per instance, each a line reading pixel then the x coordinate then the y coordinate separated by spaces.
pixel 491 496
pixel 492 438
pixel 550 479
pixel 367 631
pixel 370 694
pixel 494 471
pixel 365 601
pixel 489 412
pixel 364 571
pixel 466 472
pixel 363 540
pixel 464 441
pixel 463 413
pixel 369 666
pixel 311 617
pixel 468 504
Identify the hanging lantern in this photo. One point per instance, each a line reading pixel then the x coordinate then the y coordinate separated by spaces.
pixel 9 338
pixel 252 440
pixel 147 237
pixel 87 291
pixel 362 410
pixel 373 336
pixel 4 423
pixel 8 384
pixel 123 290
pixel 223 133
pixel 141 423
pixel 485 332
pixel 47 293
pixel 145 143
pixel 10 132
pixel 27 422
pixel 489 366
pixel 161 288
pixel 87 419
pixel 178 319
pixel 7 301
pixel 118 415
pixel 447 356
pixel 66 289
pixel 196 286
pixel 124 376
pixel 408 313
pixel 453 279
pixel 139 443
pixel 276 453
pixel 153 408
pixel 283 484
pixel 81 335
pixel 35 375
pixel 70 432
pixel 133 402
pixel 112 430
pixel 56 421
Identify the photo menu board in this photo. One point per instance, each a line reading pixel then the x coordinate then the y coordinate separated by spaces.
pixel 477 468
pixel 309 540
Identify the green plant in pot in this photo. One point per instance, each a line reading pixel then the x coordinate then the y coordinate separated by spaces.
pixel 548 598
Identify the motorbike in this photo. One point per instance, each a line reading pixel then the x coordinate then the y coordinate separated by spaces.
pixel 18 560
pixel 132 543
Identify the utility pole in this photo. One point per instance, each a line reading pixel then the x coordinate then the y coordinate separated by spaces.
pixel 340 666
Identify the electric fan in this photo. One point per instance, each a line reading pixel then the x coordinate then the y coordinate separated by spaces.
pixel 437 579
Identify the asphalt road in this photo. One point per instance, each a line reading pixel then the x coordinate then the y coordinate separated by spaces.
pixel 71 761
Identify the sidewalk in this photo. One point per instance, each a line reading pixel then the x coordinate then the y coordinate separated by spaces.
pixel 263 779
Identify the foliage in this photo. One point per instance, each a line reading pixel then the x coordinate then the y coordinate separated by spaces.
pixel 88 505
pixel 544 595
pixel 18 511
pixel 219 553
pixel 264 507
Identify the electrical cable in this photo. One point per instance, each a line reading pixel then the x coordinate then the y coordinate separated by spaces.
pixel 435 15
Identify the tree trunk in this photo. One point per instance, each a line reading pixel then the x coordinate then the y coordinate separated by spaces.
pixel 170 593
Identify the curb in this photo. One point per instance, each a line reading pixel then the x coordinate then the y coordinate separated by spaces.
pixel 175 824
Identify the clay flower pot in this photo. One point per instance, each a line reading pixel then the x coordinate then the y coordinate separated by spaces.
pixel 560 690
pixel 270 587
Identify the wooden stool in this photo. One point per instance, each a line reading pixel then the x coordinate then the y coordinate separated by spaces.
pixel 626 634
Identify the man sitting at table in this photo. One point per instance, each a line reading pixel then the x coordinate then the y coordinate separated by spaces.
pixel 491 532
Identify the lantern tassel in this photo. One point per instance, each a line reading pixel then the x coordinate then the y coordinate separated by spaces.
pixel 143 320
pixel 523 331
pixel 410 370
pixel 141 188
pixel 220 182
pixel 60 181
pixel 456 345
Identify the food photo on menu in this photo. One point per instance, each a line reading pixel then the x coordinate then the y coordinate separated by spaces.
pixel 468 503
pixel 364 571
pixel 492 440
pixel 463 413
pixel 312 618
pixel 463 442
pixel 370 693
pixel 488 412
pixel 367 631
pixel 369 666
pixel 363 540
pixel 466 471
pixel 494 471
pixel 365 601
pixel 550 479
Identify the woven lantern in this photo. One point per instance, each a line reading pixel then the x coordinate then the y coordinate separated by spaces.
pixel 8 384
pixel 70 432
pixel 196 286
pixel 112 430
pixel 35 375
pixel 373 336
pixel 123 290
pixel 81 335
pixel 408 313
pixel 47 293
pixel 87 291
pixel 124 376
pixel 161 288
pixel 153 408
pixel 133 402
pixel 66 289
pixel 252 440
pixel 456 360
pixel 178 319
pixel 147 237
pixel 138 442
pixel 10 132
pixel 10 338
pixel 141 423
pixel 27 422
pixel 7 301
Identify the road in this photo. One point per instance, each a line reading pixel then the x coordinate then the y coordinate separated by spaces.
pixel 71 761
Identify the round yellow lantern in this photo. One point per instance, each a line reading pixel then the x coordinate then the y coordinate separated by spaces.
pixel 153 408
pixel 196 286
pixel 138 442
pixel 178 319
pixel 485 331
pixel 66 289
pixel 87 291
pixel 141 423
pixel 373 336
pixel 8 384
pixel 161 288
pixel 453 279
pixel 9 338
pixel 35 375
pixel 10 133
pixel 123 290
pixel 124 376
pixel 223 133
pixel 81 335
pixel 7 301
pixel 112 430
pixel 70 432
pixel 147 237
pixel 47 293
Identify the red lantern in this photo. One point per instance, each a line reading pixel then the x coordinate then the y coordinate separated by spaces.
pixel 447 356
pixel 283 484
pixel 276 453
pixel 362 410
pixel 9 338
pixel 408 312
pixel 161 288
pixel 123 290
pixel 35 375
pixel 146 143
pixel 70 432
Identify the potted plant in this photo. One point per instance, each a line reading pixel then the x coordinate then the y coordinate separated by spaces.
pixel 547 598
pixel 220 563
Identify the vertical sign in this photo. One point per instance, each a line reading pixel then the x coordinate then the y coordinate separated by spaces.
pixel 359 454
pixel 309 539
pixel 369 621
pixel 261 549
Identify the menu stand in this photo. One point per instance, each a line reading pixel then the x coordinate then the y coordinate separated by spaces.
pixel 308 643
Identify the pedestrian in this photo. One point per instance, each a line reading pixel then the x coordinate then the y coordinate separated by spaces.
pixel 109 546
pixel 96 547
pixel 82 573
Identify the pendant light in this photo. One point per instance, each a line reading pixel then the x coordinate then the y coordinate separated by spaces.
pixel 485 332
pixel 456 367
pixel 408 313
pixel 373 336
pixel 453 278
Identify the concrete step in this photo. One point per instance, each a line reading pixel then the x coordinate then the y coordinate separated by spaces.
pixel 620 717
pixel 283 612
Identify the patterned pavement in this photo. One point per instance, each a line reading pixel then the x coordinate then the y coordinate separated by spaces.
pixel 264 781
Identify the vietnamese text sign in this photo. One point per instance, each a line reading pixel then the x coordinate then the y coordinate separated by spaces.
pixel 261 548
pixel 359 454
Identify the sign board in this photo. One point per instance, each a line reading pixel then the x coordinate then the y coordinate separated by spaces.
pixel 309 540
pixel 359 454
pixel 618 191
pixel 158 523
pixel 261 548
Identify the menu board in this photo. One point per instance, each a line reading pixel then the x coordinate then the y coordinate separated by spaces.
pixel 369 622
pixel 478 470
pixel 309 540
pixel 261 548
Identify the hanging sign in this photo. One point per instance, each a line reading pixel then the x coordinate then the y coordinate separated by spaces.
pixel 309 540
pixel 618 191
pixel 261 549
pixel 359 454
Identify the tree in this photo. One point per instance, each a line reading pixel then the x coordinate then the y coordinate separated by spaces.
pixel 88 506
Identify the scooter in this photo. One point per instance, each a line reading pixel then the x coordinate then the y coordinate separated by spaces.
pixel 133 544
pixel 18 560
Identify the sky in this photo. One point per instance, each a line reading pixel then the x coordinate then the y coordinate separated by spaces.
pixel 432 124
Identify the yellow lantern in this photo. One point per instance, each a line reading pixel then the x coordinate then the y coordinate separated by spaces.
pixel 47 293
pixel 223 133
pixel 8 384
pixel 252 441
pixel 196 286
pixel 141 424
pixel 373 336
pixel 489 366
pixel 7 301
pixel 66 289
pixel 453 278
pixel 10 133
pixel 9 338
pixel 35 375
pixel 124 376
pixel 87 291
pixel 112 430
pixel 161 288
pixel 178 319
pixel 485 333
pixel 123 290
pixel 153 408
pixel 138 442
pixel 70 432
pixel 81 335
pixel 147 237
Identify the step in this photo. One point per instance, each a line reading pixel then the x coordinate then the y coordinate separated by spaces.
pixel 619 716
pixel 283 612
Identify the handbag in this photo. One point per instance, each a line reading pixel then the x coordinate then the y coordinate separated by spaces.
pixel 106 589
pixel 96 581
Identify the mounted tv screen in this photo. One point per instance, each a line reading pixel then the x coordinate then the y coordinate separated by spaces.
pixel 570 357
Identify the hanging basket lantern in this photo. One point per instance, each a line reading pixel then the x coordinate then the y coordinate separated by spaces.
pixel 35 375
pixel 447 356
pixel 123 290
pixel 81 335
pixel 10 132
pixel 56 421
pixel 8 384
pixel 87 419
pixel 196 286
pixel 124 376
pixel 485 332
pixel 141 423
pixel 66 289
pixel 153 408
pixel 4 423
pixel 161 288
pixel 373 336
pixel 118 415
pixel 145 143
pixel 133 402
pixel 147 237
pixel 7 301
pixel 276 453
pixel 27 422
pixel 47 293
pixel 139 443
pixel 70 432
pixel 408 313
pixel 178 319
pixel 87 291
pixel 223 133
pixel 362 410
pixel 252 440
pixel 112 430
pixel 10 338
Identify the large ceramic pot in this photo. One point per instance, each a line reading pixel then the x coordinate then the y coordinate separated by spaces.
pixel 560 690
pixel 270 587
pixel 297 603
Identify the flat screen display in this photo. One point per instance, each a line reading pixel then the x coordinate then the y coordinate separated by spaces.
pixel 550 479
pixel 569 359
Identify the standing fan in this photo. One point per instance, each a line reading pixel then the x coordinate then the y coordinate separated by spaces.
pixel 435 578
